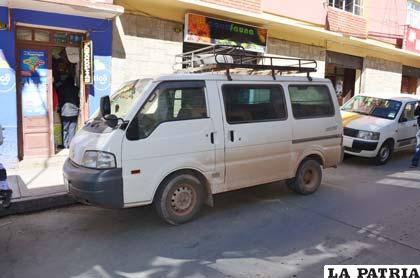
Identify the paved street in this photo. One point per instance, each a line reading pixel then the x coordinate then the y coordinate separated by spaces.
pixel 363 214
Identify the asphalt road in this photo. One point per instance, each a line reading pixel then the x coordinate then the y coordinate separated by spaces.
pixel 362 214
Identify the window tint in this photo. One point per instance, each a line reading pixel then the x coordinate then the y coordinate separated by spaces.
pixel 168 104
pixel 253 103
pixel 311 101
pixel 408 113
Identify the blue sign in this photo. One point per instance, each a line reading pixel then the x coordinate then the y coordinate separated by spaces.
pixel 34 82
pixel 7 75
pixel 102 75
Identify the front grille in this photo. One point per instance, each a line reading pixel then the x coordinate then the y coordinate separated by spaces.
pixel 350 132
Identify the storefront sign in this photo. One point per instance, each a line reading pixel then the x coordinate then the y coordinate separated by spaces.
pixel 34 82
pixel 210 31
pixel 412 39
pixel 87 60
pixel 7 75
pixel 102 74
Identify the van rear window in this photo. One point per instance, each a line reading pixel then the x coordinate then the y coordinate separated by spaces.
pixel 311 101
pixel 253 103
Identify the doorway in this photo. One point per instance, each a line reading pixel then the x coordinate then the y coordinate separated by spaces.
pixel 344 71
pixel 343 80
pixel 46 59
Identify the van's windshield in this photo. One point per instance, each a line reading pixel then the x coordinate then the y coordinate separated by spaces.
pixel 377 107
pixel 127 95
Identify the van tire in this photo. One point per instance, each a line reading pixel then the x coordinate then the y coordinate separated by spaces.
pixel 384 153
pixel 308 178
pixel 179 198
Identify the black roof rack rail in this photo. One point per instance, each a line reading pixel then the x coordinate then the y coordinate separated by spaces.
pixel 227 58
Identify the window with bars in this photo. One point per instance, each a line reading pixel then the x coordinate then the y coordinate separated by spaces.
pixel 351 6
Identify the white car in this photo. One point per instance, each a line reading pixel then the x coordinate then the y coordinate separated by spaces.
pixel 376 127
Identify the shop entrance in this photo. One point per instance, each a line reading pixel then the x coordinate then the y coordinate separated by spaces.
pixel 410 80
pixel 344 71
pixel 48 78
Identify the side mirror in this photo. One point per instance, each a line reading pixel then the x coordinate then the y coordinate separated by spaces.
pixel 111 120
pixel 105 106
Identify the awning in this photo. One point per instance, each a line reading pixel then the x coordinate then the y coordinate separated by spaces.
pixel 95 9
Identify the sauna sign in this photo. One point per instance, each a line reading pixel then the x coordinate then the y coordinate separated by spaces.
pixel 87 62
pixel 211 31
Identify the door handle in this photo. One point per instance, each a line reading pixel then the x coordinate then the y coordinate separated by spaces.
pixel 232 135
pixel 212 137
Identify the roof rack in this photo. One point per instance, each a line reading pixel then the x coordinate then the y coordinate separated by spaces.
pixel 228 57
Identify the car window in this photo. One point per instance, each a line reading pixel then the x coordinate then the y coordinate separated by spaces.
pixel 408 113
pixel 311 101
pixel 253 103
pixel 168 104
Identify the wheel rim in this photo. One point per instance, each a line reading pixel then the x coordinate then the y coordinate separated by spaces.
pixel 183 199
pixel 310 178
pixel 384 153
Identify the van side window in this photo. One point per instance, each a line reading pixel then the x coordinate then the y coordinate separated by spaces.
pixel 168 104
pixel 408 113
pixel 253 103
pixel 311 101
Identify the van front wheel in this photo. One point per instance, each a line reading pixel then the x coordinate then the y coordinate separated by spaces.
pixel 308 178
pixel 179 199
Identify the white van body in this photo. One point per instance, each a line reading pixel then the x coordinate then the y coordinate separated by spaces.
pixel 394 133
pixel 222 156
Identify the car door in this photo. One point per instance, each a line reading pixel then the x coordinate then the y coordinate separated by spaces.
pixel 407 126
pixel 257 133
pixel 171 131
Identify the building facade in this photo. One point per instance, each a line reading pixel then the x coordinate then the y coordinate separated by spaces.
pixel 361 45
pixel 40 45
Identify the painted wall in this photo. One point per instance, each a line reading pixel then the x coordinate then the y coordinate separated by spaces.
pixel 100 31
pixel 143 47
pixel 386 17
pixel 313 11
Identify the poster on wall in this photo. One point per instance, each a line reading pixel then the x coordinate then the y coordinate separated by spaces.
pixel 206 30
pixel 34 82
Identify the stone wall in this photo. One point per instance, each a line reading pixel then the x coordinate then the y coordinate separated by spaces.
pixel 143 46
pixel 381 77
pixel 299 50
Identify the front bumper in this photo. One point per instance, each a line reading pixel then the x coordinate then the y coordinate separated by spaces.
pixel 359 147
pixel 97 187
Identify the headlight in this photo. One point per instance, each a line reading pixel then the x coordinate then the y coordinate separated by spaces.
pixel 368 135
pixel 99 160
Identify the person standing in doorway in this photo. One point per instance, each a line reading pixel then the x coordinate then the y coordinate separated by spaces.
pixel 416 157
pixel 69 102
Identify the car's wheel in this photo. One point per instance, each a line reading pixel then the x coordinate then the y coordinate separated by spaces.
pixel 384 153
pixel 308 178
pixel 179 198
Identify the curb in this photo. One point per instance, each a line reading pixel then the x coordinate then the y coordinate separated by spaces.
pixel 29 205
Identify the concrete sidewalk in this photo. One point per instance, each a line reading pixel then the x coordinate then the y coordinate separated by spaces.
pixel 37 184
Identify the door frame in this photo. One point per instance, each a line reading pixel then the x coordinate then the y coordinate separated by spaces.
pixel 45 46
pixel 19 48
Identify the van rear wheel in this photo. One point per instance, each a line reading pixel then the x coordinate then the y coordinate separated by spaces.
pixel 179 199
pixel 308 178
